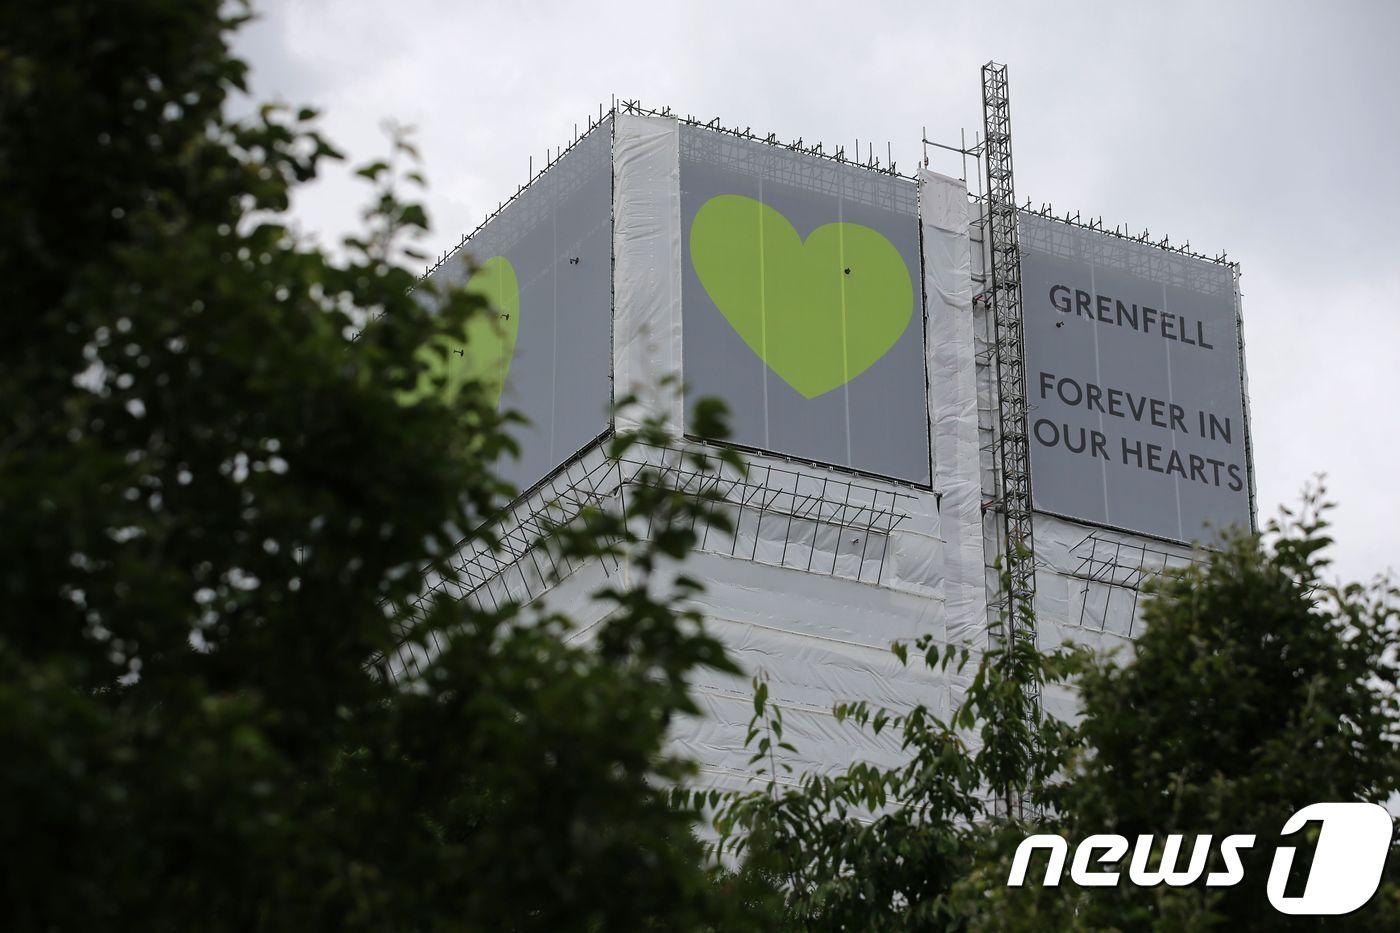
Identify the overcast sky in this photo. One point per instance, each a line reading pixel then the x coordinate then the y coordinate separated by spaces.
pixel 1270 130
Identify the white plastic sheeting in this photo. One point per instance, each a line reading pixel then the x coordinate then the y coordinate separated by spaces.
pixel 817 640
pixel 943 209
pixel 647 267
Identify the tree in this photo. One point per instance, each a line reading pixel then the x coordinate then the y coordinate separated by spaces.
pixel 218 489
pixel 876 848
pixel 1255 689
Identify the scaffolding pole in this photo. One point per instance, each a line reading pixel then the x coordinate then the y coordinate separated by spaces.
pixel 1003 297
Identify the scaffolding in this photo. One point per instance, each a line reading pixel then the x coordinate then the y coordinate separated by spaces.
pixel 1003 297
pixel 819 523
pixel 1118 571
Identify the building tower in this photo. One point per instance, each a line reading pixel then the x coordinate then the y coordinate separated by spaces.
pixel 916 374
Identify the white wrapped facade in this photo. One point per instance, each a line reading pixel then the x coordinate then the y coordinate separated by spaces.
pixel 829 564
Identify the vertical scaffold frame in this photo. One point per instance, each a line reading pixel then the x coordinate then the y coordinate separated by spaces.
pixel 1003 297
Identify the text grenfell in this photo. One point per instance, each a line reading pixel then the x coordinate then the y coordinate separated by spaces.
pixel 1148 320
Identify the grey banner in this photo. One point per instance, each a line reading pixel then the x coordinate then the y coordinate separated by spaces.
pixel 801 303
pixel 1133 376
pixel 557 238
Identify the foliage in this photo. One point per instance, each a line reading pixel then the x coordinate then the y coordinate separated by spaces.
pixel 875 848
pixel 1255 689
pixel 215 504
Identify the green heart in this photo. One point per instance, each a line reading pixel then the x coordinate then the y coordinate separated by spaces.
pixel 818 313
pixel 486 345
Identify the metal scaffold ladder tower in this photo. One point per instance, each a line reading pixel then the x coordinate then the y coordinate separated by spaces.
pixel 1003 297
